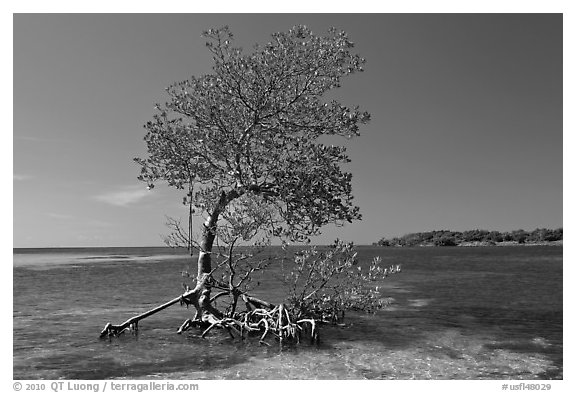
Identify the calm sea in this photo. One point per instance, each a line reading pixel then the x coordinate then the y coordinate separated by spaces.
pixel 457 313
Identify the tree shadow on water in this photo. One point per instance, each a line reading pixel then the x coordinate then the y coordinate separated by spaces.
pixel 392 332
pixel 147 357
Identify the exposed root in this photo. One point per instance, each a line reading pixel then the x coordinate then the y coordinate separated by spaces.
pixel 260 317
pixel 313 331
pixel 209 328
pixel 266 320
pixel 190 297
pixel 185 326
pixel 266 328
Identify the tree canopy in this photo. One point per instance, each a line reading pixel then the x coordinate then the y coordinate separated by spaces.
pixel 252 127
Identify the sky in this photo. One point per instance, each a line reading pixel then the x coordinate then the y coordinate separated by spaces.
pixel 466 129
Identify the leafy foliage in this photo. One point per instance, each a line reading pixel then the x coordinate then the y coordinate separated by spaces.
pixel 323 284
pixel 453 238
pixel 252 126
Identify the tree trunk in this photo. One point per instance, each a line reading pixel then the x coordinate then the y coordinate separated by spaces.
pixel 205 255
pixel 209 233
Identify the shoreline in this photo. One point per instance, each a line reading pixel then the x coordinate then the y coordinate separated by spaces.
pixel 556 243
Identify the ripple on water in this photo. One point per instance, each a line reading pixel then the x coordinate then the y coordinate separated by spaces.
pixel 446 355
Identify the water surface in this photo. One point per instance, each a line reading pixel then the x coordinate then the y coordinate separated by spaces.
pixel 457 313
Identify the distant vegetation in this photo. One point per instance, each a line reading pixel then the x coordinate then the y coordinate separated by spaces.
pixel 474 237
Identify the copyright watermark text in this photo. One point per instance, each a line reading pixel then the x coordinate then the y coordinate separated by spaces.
pixel 97 387
pixel 526 386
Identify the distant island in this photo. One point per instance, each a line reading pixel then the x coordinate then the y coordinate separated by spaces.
pixel 474 238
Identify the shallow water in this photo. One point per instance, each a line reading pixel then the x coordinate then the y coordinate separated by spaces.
pixel 457 313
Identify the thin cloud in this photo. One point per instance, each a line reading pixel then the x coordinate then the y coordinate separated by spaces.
pixel 59 216
pixel 125 197
pixel 21 177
